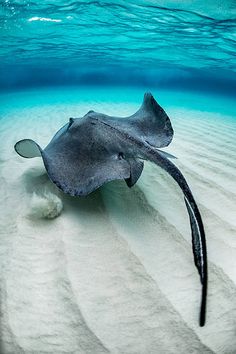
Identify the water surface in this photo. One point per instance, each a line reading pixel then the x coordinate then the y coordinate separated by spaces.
pixel 174 43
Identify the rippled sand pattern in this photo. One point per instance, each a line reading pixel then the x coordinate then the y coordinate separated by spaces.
pixel 114 272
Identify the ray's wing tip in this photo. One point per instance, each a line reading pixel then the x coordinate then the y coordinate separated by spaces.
pixel 148 94
pixel 148 97
pixel 17 146
pixel 28 148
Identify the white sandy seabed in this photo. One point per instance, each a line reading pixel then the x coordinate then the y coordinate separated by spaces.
pixel 114 272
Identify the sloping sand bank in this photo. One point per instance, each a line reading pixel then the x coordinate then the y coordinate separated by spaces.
pixel 114 271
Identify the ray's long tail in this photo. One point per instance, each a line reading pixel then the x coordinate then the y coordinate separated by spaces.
pixel 198 233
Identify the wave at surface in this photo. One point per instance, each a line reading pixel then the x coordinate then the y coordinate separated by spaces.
pixel 109 36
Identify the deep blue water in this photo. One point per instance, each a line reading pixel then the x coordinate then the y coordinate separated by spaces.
pixel 168 44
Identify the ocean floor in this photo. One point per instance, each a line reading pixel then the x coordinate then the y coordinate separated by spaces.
pixel 114 271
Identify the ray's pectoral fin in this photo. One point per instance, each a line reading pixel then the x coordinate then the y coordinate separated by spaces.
pixel 136 169
pixel 198 233
pixel 78 176
pixel 28 148
pixel 152 123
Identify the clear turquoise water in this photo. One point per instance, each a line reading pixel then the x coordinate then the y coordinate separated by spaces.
pixel 183 44
pixel 63 58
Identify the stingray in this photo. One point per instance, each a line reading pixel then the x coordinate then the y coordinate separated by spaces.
pixel 95 149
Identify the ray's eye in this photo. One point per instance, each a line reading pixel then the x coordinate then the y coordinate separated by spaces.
pixel 121 156
pixel 71 121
